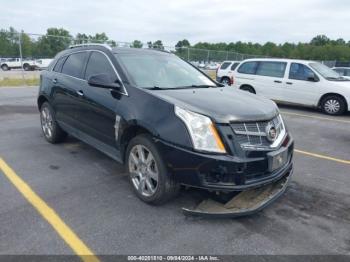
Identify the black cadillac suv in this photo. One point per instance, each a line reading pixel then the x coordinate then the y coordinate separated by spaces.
pixel 167 121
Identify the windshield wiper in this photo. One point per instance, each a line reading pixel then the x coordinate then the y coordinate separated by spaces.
pixel 195 86
pixel 204 86
pixel 180 87
pixel 155 88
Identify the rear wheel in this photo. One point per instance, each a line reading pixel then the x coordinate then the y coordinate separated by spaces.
pixel 148 173
pixel 248 89
pixel 226 81
pixel 26 67
pixel 5 67
pixel 51 130
pixel 333 105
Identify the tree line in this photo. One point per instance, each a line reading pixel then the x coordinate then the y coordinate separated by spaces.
pixel 56 39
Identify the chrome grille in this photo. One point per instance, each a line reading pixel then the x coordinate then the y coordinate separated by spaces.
pixel 253 134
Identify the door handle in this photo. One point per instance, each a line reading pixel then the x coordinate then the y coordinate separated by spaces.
pixel 80 93
pixel 289 83
pixel 278 81
pixel 55 81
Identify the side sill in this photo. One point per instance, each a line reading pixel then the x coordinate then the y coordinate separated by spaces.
pixel 104 148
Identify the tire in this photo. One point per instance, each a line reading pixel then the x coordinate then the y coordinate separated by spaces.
pixel 51 130
pixel 225 81
pixel 248 89
pixel 5 68
pixel 333 105
pixel 26 67
pixel 148 174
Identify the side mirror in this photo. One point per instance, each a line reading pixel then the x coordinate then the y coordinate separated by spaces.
pixel 103 81
pixel 218 84
pixel 312 78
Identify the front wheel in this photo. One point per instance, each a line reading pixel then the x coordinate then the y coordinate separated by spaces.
pixel 147 171
pixel 26 67
pixel 333 105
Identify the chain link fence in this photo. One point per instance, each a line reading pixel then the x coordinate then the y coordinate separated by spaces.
pixel 209 56
pixel 23 55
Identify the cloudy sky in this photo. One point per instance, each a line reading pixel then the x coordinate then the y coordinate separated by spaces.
pixel 196 20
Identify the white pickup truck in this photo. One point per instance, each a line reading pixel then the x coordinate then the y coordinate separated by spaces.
pixel 15 63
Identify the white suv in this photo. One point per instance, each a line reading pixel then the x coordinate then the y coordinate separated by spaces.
pixel 300 82
pixel 224 72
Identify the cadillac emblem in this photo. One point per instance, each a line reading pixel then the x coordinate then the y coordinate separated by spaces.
pixel 271 133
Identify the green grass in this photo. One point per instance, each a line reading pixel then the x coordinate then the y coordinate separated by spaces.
pixel 13 82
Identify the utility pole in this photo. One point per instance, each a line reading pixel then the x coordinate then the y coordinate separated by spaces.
pixel 20 54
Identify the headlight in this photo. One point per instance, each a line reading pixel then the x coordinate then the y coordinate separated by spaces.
pixel 203 132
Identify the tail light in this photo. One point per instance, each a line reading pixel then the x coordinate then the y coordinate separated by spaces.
pixel 232 80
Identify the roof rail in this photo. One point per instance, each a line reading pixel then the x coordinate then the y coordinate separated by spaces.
pixel 91 44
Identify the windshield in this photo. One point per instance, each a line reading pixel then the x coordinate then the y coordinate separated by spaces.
pixel 325 71
pixel 162 71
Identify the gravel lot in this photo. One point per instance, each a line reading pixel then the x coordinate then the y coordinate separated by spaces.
pixel 91 193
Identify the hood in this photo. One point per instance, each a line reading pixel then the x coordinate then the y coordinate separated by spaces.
pixel 223 105
pixel 343 83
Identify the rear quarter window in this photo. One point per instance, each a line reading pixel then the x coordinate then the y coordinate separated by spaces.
pixel 225 65
pixel 234 66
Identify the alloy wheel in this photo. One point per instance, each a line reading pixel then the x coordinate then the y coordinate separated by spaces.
pixel 332 106
pixel 225 81
pixel 143 170
pixel 46 122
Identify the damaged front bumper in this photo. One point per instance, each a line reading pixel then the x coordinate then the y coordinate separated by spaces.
pixel 244 203
pixel 251 179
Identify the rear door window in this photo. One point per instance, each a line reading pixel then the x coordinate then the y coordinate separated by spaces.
pixel 273 69
pixel 59 64
pixel 300 72
pixel 74 64
pixel 225 65
pixel 248 68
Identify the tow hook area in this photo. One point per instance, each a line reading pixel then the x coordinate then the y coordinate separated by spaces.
pixel 242 204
